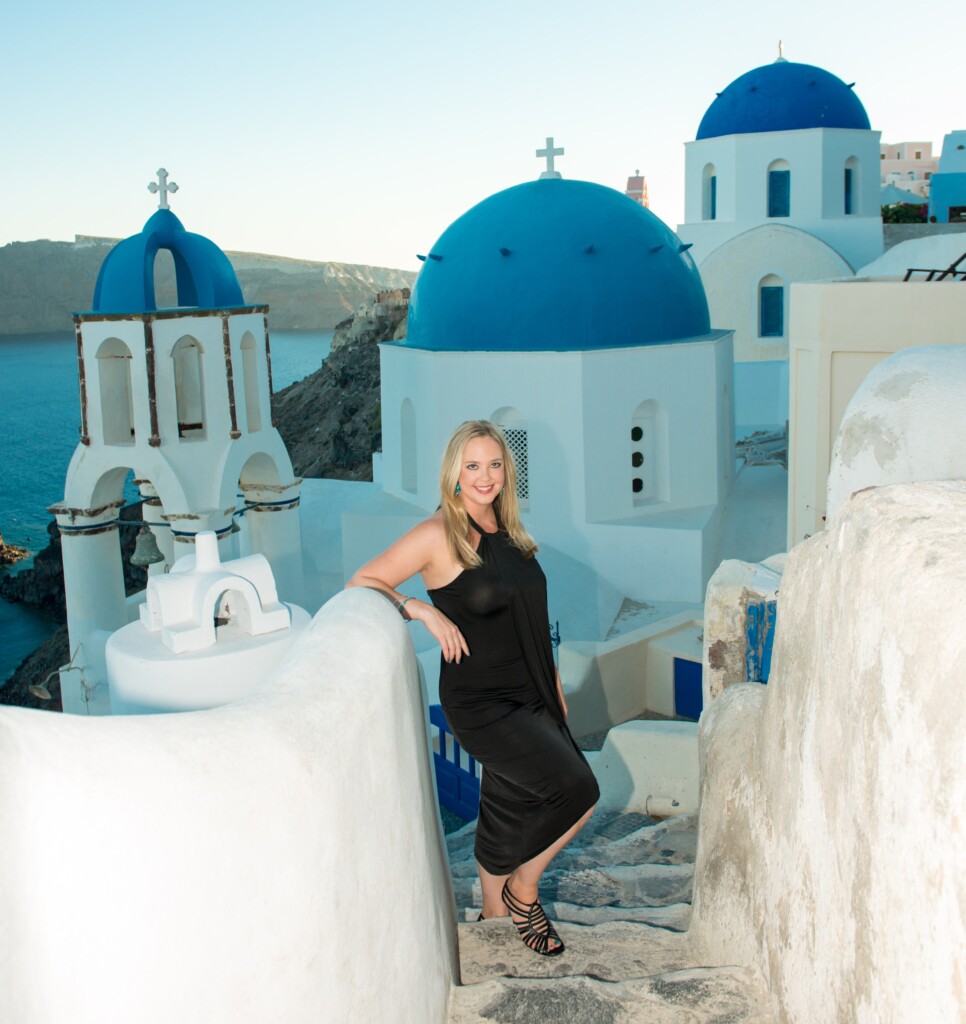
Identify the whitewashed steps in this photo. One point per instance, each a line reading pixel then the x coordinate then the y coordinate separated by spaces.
pixel 610 952
pixel 620 896
pixel 721 995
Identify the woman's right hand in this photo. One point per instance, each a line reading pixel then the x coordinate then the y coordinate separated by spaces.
pixel 445 632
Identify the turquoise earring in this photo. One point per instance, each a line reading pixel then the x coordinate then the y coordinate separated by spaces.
pixel 458 489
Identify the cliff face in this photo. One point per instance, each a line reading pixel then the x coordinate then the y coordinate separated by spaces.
pixel 42 283
pixel 330 421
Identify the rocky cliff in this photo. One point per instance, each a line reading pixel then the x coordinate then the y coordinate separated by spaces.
pixel 330 421
pixel 42 282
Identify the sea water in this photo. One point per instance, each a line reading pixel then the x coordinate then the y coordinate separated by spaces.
pixel 39 430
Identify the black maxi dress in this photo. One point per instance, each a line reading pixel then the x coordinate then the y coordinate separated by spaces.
pixel 501 703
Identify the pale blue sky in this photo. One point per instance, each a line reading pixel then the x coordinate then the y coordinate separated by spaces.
pixel 357 132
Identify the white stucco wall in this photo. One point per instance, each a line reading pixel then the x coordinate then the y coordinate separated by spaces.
pixel 832 844
pixel 906 422
pixel 839 332
pixel 276 859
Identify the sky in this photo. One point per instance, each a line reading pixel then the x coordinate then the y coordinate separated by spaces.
pixel 358 132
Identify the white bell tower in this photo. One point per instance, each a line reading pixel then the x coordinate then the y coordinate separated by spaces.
pixel 181 396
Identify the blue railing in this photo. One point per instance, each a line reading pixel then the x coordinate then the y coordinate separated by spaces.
pixel 457 774
pixel 760 634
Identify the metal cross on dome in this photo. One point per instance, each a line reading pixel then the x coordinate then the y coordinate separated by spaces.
pixel 162 186
pixel 550 153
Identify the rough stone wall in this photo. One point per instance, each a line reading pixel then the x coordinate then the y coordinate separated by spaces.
pixel 731 589
pixel 832 845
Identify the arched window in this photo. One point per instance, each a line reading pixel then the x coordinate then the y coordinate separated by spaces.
pixel 709 193
pixel 771 307
pixel 514 428
pixel 648 454
pixel 189 387
pixel 253 410
pixel 779 189
pixel 117 397
pixel 407 443
pixel 851 184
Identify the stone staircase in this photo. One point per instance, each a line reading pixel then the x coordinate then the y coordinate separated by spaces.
pixel 620 895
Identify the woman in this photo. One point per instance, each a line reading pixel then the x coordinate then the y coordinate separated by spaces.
pixel 498 685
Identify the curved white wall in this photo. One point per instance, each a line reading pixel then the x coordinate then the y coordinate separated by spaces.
pixel 733 272
pixel 275 859
pixel 907 422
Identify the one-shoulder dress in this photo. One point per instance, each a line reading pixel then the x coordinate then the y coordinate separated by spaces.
pixel 501 703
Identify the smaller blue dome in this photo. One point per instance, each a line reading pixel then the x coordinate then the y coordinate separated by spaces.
pixel 783 97
pixel 556 265
pixel 205 277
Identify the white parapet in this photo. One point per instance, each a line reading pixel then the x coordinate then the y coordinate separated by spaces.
pixel 276 859
pixel 832 843
pixel 651 767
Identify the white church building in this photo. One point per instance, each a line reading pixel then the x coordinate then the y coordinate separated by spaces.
pixel 574 318
pixel 781 186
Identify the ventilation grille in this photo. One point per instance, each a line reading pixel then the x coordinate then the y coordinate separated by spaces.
pixel 516 439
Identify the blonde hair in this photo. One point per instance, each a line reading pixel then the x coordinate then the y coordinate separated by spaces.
pixel 506 505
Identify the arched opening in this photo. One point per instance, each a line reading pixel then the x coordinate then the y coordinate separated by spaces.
pixel 407 442
pixel 648 454
pixel 514 428
pixel 850 199
pixel 779 189
pixel 232 611
pixel 189 387
pixel 117 394
pixel 709 193
pixel 165 280
pixel 771 307
pixel 253 410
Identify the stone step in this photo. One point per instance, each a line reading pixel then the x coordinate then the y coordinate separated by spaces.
pixel 696 995
pixel 611 952
pixel 668 842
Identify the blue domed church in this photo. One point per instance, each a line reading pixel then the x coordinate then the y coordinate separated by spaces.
pixel 577 320
pixel 781 185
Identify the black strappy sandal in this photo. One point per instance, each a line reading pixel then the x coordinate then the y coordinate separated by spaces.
pixel 536 931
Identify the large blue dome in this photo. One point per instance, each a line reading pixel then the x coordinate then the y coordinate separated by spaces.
pixel 783 97
pixel 204 275
pixel 552 265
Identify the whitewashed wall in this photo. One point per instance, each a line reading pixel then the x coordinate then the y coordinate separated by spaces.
pixel 733 272
pixel 832 843
pixel 277 859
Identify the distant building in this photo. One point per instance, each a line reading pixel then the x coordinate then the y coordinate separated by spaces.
pixel 637 189
pixel 947 200
pixel 907 165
